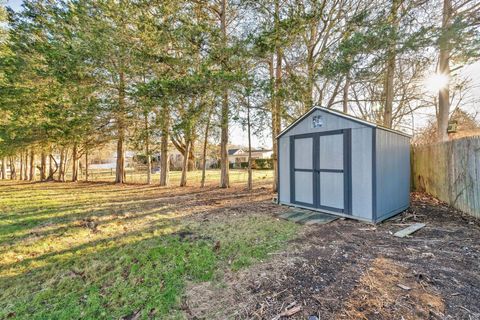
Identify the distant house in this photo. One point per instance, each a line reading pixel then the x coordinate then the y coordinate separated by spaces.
pixel 237 156
pixel 110 162
pixel 176 159
pixel 262 154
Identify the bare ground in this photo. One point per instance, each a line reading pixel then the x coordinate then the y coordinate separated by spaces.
pixel 352 270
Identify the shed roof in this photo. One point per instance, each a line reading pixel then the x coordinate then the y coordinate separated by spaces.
pixel 342 115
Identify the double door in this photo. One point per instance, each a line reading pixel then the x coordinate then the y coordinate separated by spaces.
pixel 320 170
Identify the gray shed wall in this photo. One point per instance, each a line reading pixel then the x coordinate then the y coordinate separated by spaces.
pixel 361 153
pixel 362 179
pixel 392 173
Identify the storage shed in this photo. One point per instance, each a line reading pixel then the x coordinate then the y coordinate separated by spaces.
pixel 335 163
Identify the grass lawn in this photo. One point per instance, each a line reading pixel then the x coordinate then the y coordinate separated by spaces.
pixel 98 250
pixel 193 177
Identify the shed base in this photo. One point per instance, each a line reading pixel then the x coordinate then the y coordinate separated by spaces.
pixel 326 211
pixel 392 213
pixel 379 219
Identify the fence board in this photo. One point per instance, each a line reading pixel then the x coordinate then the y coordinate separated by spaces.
pixel 450 171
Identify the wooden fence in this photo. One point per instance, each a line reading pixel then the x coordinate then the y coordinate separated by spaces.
pixel 450 171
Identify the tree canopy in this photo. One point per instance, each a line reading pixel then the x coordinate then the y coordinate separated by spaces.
pixel 145 75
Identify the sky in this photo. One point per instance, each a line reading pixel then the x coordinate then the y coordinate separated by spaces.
pixel 14 4
pixel 238 135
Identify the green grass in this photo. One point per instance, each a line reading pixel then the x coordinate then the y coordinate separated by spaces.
pixel 193 177
pixel 100 251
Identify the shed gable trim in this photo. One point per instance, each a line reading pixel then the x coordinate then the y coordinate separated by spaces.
pixel 342 115
pixel 293 124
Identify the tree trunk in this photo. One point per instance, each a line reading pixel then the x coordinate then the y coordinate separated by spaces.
pixel 25 167
pixel 149 168
pixel 180 145
pixel 310 60
pixel 80 168
pixel 224 165
pixel 75 162
pixel 183 180
pixel 4 169
pixel 147 150
pixel 65 163
pixel 13 172
pixel 120 165
pixel 444 69
pixel 391 57
pixel 204 153
pixel 43 166
pixel 32 165
pixel 191 157
pixel 21 165
pixel 120 168
pixel 61 170
pixel 50 168
pixel 164 163
pixel 86 164
pixel 276 112
pixel 250 180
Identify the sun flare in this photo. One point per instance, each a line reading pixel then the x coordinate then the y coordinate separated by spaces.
pixel 436 82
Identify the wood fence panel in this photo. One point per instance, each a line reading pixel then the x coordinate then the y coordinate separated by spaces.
pixel 450 171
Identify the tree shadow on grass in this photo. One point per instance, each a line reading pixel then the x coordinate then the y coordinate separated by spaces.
pixel 59 213
pixel 96 274
pixel 126 216
pixel 116 190
pixel 55 256
pixel 166 217
pixel 142 270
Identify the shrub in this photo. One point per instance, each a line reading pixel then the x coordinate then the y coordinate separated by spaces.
pixel 263 164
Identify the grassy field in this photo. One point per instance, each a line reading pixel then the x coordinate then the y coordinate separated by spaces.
pixel 101 251
pixel 193 178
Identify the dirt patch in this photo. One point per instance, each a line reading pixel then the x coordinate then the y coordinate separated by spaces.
pixel 234 294
pixel 351 270
pixel 387 290
pixel 186 235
